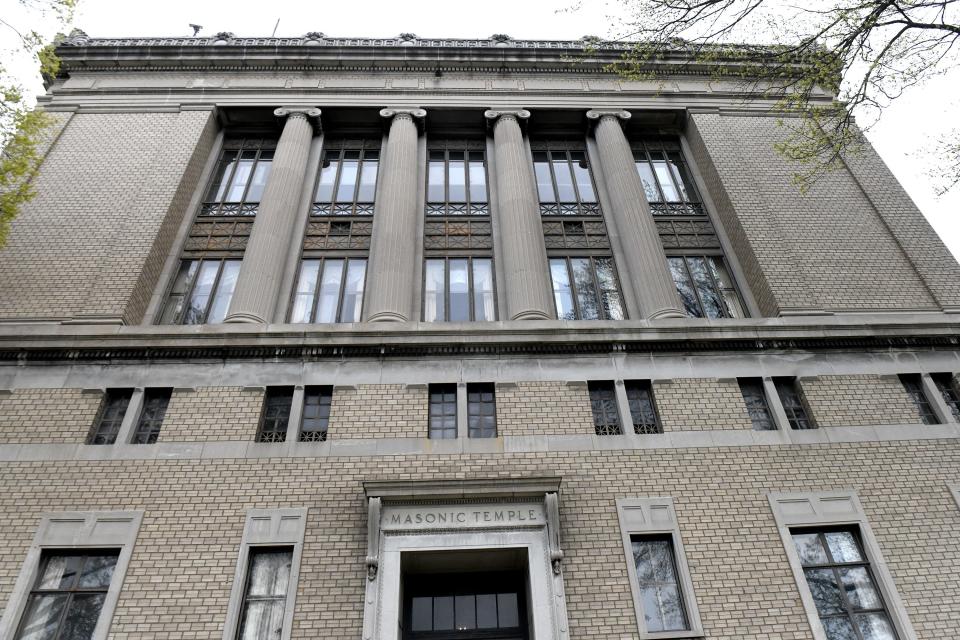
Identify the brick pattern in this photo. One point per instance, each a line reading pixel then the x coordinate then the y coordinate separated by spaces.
pixel 107 208
pixel 378 411
pixel 851 400
pixel 543 408
pixel 700 404
pixel 212 414
pixel 182 568
pixel 47 415
pixel 826 248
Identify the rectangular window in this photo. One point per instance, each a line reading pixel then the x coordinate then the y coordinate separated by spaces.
pixel 329 290
pixel 316 413
pixel 586 288
pixel 113 408
pixel 155 403
pixel 457 182
pixel 564 182
pixel 945 386
pixel 659 583
pixel 755 398
pixel 603 403
pixel 705 287
pixel 793 405
pixel 240 178
pixel 842 584
pixel 458 290
pixel 667 182
pixel 913 385
pixel 265 596
pixel 443 411
pixel 275 416
pixel 68 595
pixel 481 410
pixel 347 183
pixel 643 410
pixel 201 292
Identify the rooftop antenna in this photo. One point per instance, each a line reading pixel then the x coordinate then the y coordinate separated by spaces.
pixel 275 28
pixel 196 29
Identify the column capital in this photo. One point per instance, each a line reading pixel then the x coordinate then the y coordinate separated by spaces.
pixel 598 114
pixel 493 115
pixel 414 114
pixel 310 114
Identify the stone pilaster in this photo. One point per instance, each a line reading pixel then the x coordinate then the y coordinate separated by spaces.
pixel 529 294
pixel 393 271
pixel 258 284
pixel 646 266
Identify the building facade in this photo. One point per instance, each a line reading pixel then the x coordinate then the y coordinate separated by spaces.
pixel 415 339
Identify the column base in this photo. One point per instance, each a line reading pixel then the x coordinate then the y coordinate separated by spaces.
pixel 246 318
pixel 388 316
pixel 531 314
pixel 664 314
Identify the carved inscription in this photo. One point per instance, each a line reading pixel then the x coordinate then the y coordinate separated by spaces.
pixel 463 516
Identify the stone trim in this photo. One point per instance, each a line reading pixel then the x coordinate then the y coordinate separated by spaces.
pixel 794 510
pixel 639 516
pixel 405 490
pixel 267 528
pixel 76 530
pixel 955 490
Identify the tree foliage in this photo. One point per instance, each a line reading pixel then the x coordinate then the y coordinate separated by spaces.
pixel 866 53
pixel 22 128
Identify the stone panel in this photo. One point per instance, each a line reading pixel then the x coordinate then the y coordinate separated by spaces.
pixel 378 411
pixel 838 401
pixel 543 408
pixel 47 415
pixel 212 414
pixel 700 404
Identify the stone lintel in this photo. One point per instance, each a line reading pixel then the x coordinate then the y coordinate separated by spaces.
pixel 406 490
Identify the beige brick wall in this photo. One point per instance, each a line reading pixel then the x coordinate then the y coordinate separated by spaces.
pixel 182 568
pixel 378 411
pixel 47 415
pixel 110 194
pixel 212 414
pixel 700 404
pixel 828 247
pixel 543 408
pixel 851 400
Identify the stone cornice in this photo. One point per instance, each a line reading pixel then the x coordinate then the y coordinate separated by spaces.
pixel 85 343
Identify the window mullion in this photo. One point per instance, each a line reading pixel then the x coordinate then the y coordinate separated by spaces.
pixel 553 179
pixel 316 289
pixel 228 179
pixel 653 172
pixel 343 281
pixel 597 298
pixel 446 289
pixel 693 285
pixel 472 314
pixel 213 291
pixel 573 289
pixel 336 181
pixel 253 172
pixel 573 178
pixel 188 292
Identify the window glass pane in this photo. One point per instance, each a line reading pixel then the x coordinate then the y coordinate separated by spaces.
pixel 755 401
pixel 368 177
pixel 436 178
pixel 875 626
pixel 711 303
pixel 562 293
pixel 486 611
pixel 42 617
pixel 564 177
pixel 478 178
pixel 174 306
pixel 328 173
pixel 228 282
pixel 610 300
pixel 457 177
pixel 59 572
pixel 508 615
pixel 241 176
pixel 663 179
pixel 443 613
pixel 586 289
pixel 730 298
pixel 97 571
pixel 648 180
pixel 859 588
pixel 483 302
pixel 825 590
pixel 422 614
pixel 810 549
pixel 659 587
pixel 459 291
pixel 839 629
pixel 433 292
pixel 541 168
pixel 269 573
pixel 262 620
pixel 260 175
pixel 353 291
pixel 582 175
pixel 466 612
pixel 843 546
pixel 679 272
pixel 682 177
pixel 197 306
pixel 306 286
pixel 348 176
pixel 82 616
pixel 220 181
pixel 329 294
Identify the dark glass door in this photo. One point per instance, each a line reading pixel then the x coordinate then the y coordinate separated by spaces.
pixel 465 606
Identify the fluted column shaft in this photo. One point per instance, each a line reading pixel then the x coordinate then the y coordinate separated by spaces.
pixel 392 270
pixel 646 264
pixel 529 294
pixel 258 283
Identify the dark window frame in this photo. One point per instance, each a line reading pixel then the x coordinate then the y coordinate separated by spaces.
pixel 179 317
pixel 677 577
pixel 323 258
pixel 442 208
pixel 799 416
pixel 475 408
pixel 106 426
pixel 214 207
pixel 913 386
pixel 246 598
pixel 578 312
pixel 355 207
pixel 324 396
pixel 685 255
pixel 443 390
pixel 761 413
pixel 643 149
pixel 156 401
pixel 561 208
pixel 272 416
pixel 604 408
pixel 948 391
pixel 446 258
pixel 647 424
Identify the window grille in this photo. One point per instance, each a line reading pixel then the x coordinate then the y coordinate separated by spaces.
pixel 758 408
pixel 275 415
pixel 948 390
pixel 316 413
pixel 603 404
pixel 443 411
pixel 913 385
pixel 481 410
pixel 793 404
pixel 112 410
pixel 643 411
pixel 154 409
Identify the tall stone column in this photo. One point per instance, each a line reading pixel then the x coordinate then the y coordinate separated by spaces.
pixel 529 294
pixel 258 284
pixel 647 269
pixel 393 271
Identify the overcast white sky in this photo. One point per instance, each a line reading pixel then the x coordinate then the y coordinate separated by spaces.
pixel 904 137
